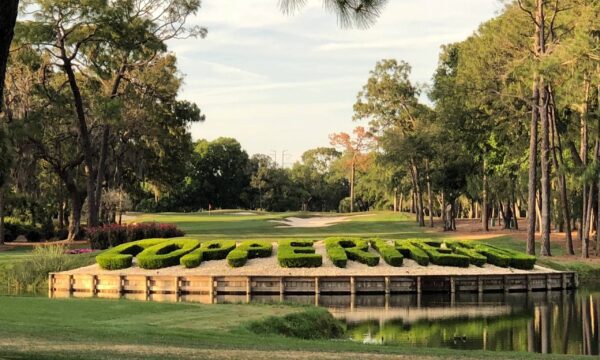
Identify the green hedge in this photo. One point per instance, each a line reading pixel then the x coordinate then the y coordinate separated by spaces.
pixel 467 250
pixel 249 249
pixel 166 253
pixel 298 254
pixel 340 249
pixel 121 257
pixel 443 256
pixel 389 253
pixel 506 257
pixel 209 250
pixel 408 249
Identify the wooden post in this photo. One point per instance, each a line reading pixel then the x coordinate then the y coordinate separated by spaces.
pixel 94 284
pixel 121 284
pixel 352 285
pixel 418 285
pixel 548 286
pixel 71 280
pixel 281 289
pixel 506 288
pixel 248 288
pixel 387 285
pixel 528 280
pixel 563 281
pixel 479 285
pixel 50 285
pixel 452 285
pixel 317 286
pixel 147 286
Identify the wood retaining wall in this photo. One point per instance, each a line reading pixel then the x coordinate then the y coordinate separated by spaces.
pixel 150 287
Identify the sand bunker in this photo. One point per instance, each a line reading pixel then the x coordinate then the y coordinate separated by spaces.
pixel 311 222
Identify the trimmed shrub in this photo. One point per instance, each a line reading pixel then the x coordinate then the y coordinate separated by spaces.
pixel 249 249
pixel 408 249
pixel 106 236
pixel 314 323
pixel 209 250
pixel 389 253
pixel 121 257
pixel 444 257
pixel 298 254
pixel 340 249
pixel 166 253
pixel 467 250
pixel 506 257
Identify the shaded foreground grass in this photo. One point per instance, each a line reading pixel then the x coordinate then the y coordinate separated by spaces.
pixel 40 328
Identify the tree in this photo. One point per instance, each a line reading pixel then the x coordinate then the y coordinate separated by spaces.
pixel 359 13
pixel 8 18
pixel 354 156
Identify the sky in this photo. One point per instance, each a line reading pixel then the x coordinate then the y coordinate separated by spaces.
pixel 283 83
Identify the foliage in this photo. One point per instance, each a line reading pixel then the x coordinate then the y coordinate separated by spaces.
pixel 442 256
pixel 166 253
pixel 121 257
pixel 340 249
pixel 298 254
pixel 112 235
pixel 249 249
pixel 208 250
pixel 389 253
pixel 32 273
pixel 308 324
pixel 409 250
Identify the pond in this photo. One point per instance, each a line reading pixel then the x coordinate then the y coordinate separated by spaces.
pixel 553 322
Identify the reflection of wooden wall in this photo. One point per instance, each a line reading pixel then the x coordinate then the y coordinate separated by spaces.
pixel 145 286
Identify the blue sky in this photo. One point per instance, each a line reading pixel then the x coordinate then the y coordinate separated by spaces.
pixel 285 82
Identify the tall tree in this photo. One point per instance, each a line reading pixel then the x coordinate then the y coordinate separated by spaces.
pixel 8 17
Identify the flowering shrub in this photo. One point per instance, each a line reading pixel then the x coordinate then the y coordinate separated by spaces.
pixel 106 236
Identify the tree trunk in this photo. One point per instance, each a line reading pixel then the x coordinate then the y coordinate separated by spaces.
pixel 484 202
pixel 2 215
pixel 545 171
pixel 352 174
pixel 75 217
pixel 418 194
pixel 429 194
pixel 401 206
pixel 532 205
pixel 562 181
pixel 514 206
pixel 8 19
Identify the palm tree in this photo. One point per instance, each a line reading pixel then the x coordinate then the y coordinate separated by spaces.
pixel 350 13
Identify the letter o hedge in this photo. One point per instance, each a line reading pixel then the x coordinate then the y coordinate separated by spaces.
pixel 166 253
pixel 249 249
pixel 209 250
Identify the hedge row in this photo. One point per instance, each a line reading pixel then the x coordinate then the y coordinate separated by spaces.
pixel 390 254
pixel 505 257
pixel 165 254
pixel 409 250
pixel 442 256
pixel 298 254
pixel 209 250
pixel 106 236
pixel 121 257
pixel 462 248
pixel 340 249
pixel 249 249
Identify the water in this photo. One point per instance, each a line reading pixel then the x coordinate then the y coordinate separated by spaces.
pixel 555 322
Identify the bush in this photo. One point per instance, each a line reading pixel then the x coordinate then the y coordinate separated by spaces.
pixel 121 257
pixel 106 236
pixel 209 250
pixel 443 257
pixel 506 257
pixel 249 249
pixel 32 273
pixel 13 228
pixel 298 254
pixel 467 250
pixel 165 254
pixel 389 253
pixel 310 324
pixel 409 250
pixel 340 249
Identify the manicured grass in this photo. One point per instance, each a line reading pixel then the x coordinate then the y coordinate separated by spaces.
pixel 40 328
